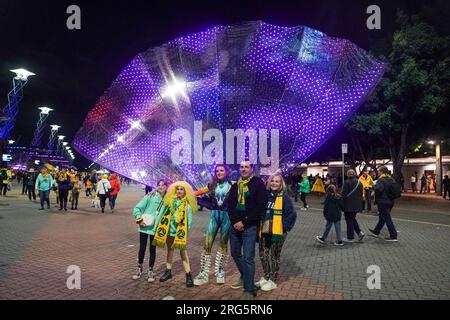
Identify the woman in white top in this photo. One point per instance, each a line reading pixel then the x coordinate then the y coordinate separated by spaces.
pixel 103 189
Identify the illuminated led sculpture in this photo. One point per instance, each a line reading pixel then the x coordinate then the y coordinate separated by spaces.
pixel 292 85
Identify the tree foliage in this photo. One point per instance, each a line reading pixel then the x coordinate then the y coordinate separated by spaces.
pixel 414 91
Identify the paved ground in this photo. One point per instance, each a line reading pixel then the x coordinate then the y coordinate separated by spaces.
pixel 37 247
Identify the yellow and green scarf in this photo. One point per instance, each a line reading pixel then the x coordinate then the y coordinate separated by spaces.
pixel 277 220
pixel 243 192
pixel 62 177
pixel 179 213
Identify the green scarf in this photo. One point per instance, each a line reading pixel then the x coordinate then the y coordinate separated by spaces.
pixel 242 193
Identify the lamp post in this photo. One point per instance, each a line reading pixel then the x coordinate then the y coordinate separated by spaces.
pixel 15 96
pixel 51 140
pixel 43 115
pixel 63 148
pixel 58 146
pixel 438 171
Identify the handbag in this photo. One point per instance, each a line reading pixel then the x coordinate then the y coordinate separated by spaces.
pixel 148 219
pixel 110 190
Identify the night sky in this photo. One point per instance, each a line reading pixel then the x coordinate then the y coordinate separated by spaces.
pixel 74 68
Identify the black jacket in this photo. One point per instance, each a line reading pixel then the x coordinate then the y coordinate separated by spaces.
pixel 381 192
pixel 446 183
pixel 256 203
pixel 332 210
pixel 353 201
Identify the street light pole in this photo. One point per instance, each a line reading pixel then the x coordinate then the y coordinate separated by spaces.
pixel 15 96
pixel 59 145
pixel 51 140
pixel 43 115
pixel 439 167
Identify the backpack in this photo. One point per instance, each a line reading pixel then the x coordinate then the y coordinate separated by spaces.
pixel 393 188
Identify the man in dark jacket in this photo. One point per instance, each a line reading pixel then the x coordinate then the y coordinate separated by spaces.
pixel 352 194
pixel 24 182
pixel 446 187
pixel 385 204
pixel 30 186
pixel 247 203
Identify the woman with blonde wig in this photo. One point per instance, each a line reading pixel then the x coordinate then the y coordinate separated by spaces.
pixel 174 226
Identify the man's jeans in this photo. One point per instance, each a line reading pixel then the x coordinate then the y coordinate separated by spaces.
pixel 245 240
pixel 44 195
pixel 385 218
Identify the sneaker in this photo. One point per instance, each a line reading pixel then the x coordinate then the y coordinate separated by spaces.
pixel 339 243
pixel 201 279
pixel 303 209
pixel 261 282
pixel 348 240
pixel 361 236
pixel 372 233
pixel 166 276
pixel 189 281
pixel 269 285
pixel 220 278
pixel 41 209
pixel 248 295
pixel 238 285
pixel 138 273
pixel 390 239
pixel 320 239
pixel 151 276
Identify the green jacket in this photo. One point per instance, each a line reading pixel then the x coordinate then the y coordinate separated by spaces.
pixel 148 205
pixel 43 184
pixel 305 187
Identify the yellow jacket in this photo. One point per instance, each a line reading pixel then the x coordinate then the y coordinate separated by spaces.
pixel 366 182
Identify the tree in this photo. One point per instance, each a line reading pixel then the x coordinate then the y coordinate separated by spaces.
pixel 415 87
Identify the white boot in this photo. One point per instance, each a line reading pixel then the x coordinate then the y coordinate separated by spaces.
pixel 221 260
pixel 205 264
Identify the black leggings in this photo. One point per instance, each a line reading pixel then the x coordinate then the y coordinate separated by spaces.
pixel 303 198
pixel 143 239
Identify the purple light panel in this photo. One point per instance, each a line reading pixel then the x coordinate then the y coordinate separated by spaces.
pixel 251 75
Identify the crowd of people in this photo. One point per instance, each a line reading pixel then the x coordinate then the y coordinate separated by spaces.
pixel 251 213
pixel 66 186
pixel 247 213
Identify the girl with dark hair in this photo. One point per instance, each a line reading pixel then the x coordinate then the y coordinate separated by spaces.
pixel 147 213
pixel 332 211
